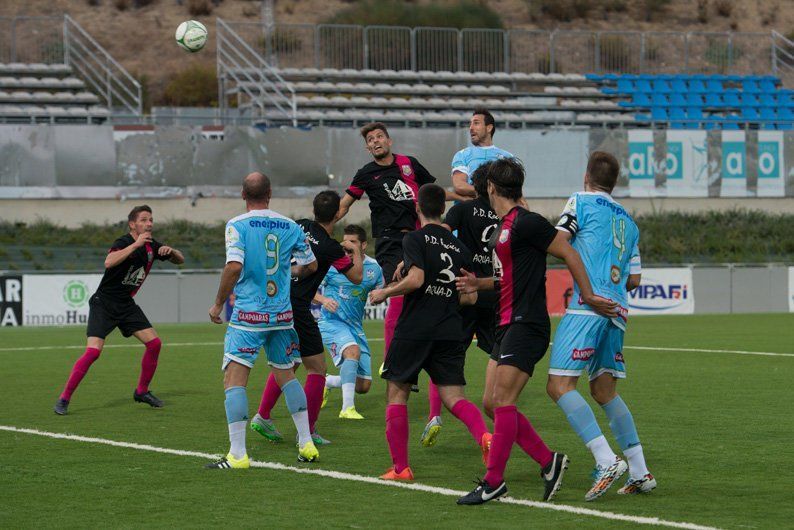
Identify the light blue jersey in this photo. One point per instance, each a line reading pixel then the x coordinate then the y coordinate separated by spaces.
pixel 265 242
pixel 351 298
pixel 607 239
pixel 469 159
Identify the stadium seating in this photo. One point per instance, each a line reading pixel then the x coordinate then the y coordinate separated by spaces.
pixel 46 93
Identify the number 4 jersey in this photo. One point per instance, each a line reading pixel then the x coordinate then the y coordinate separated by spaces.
pixel 265 242
pixel 607 239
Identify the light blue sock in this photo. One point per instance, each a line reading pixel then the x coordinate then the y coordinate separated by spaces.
pixel 347 373
pixel 580 416
pixel 621 423
pixel 236 404
pixel 294 396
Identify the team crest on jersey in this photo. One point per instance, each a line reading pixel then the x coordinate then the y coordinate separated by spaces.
pixel 504 235
pixel 370 274
pixel 614 274
pixel 272 288
pixel 406 169
pixel 400 192
pixel 149 255
pixel 134 277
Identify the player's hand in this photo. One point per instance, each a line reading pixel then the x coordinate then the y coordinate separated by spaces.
pixel 466 282
pixel 215 313
pixel 165 250
pixel 603 306
pixel 398 272
pixel 331 305
pixel 142 239
pixel 377 296
pixel 348 245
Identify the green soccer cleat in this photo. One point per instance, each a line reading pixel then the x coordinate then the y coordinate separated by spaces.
pixel 430 434
pixel 266 428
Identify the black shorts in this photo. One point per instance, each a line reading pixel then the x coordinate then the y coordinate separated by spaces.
pixel 389 252
pixel 443 360
pixel 106 314
pixel 521 345
pixel 309 337
pixel 479 320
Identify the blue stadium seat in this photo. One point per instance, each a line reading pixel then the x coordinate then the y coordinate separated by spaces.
pixel 697 86
pixel 638 99
pixel 677 100
pixel 784 98
pixel 784 113
pixel 659 100
pixel 714 100
pixel 594 77
pixel 731 123
pixel 661 86
pixel 750 114
pixel 748 100
pixel 785 126
pixel 750 86
pixel 767 86
pixel 694 100
pixel 643 85
pixel 694 115
pixel 658 113
pixel 731 98
pixel 713 123
pixel 626 86
pixel 733 78
pixel 768 117
pixel 767 100
pixel 677 118
pixel 715 86
pixel 642 117
pixel 679 85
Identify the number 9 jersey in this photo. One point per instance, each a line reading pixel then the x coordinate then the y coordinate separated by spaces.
pixel 265 242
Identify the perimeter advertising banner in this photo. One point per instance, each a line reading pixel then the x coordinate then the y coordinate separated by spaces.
pixel 791 289
pixel 57 299
pixel 10 300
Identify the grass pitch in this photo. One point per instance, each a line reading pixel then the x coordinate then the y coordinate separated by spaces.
pixel 716 428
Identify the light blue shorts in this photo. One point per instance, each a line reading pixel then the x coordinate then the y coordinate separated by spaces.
pixel 587 341
pixel 338 336
pixel 241 346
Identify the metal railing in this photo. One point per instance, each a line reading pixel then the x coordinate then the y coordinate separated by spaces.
pixel 516 50
pixel 244 73
pixel 31 40
pixel 782 56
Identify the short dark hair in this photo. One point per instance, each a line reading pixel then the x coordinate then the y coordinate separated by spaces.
pixel 256 189
pixel 489 120
pixel 479 179
pixel 603 169
pixel 374 126
pixel 507 175
pixel 358 231
pixel 325 205
pixel 431 201
pixel 133 215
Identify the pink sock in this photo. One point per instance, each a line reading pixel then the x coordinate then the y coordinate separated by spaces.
pixel 470 415
pixel 149 364
pixel 269 397
pixel 79 370
pixel 397 435
pixel 504 436
pixel 314 386
pixel 434 399
pixel 531 442
pixel 390 321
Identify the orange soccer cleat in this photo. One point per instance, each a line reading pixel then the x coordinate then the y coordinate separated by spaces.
pixel 391 474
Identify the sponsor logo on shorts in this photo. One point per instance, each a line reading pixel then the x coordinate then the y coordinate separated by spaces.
pixel 286 316
pixel 292 348
pixel 582 355
pixel 619 357
pixel 247 350
pixel 333 349
pixel 253 318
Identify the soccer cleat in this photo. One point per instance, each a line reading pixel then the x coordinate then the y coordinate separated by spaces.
pixel 60 406
pixel 391 474
pixel 325 397
pixel 485 445
pixel 415 388
pixel 229 462
pixel 604 477
pixel 483 493
pixel 552 475
pixel 350 413
pixel 319 440
pixel 308 453
pixel 266 428
pixel 640 485
pixel 148 398
pixel 431 431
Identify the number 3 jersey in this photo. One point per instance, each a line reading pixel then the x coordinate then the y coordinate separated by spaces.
pixel 432 311
pixel 265 242
pixel 607 239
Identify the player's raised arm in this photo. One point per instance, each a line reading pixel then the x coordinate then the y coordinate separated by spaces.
pixel 461 185
pixel 412 281
pixel 118 255
pixel 344 205
pixel 171 254
pixel 355 273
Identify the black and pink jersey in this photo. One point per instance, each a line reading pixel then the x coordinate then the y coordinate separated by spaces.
pixel 328 252
pixel 124 280
pixel 520 242
pixel 392 191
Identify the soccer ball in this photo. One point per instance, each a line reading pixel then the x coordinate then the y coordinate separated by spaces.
pixel 191 35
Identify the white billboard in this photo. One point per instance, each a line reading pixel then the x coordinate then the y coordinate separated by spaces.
pixel 663 292
pixel 57 299
pixel 791 289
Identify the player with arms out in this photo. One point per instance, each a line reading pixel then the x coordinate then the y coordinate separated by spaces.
pixel 607 239
pixel 260 245
pixel 342 325
pixel 427 335
pixel 329 253
pixel 482 129
pixel 521 242
pixel 112 306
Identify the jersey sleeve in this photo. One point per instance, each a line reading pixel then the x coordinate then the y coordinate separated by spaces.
pixel 454 215
pixel 357 187
pixel 235 247
pixel 302 251
pixel 413 252
pixel 423 176
pixel 336 255
pixel 459 162
pixel 538 231
pixel 156 250
pixel 569 219
pixel 635 263
pixel 379 281
pixel 119 244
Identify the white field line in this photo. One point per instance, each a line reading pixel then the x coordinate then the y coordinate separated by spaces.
pixel 369 480
pixel 377 339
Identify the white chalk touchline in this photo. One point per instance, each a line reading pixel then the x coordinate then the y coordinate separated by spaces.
pixel 380 339
pixel 370 480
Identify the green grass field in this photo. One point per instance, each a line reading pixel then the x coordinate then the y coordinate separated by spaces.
pixel 716 428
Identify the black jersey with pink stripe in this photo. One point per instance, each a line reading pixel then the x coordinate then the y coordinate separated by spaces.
pixel 328 252
pixel 520 242
pixel 392 191
pixel 124 280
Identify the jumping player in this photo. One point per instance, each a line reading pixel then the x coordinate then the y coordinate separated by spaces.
pixel 112 306
pixel 260 245
pixel 482 129
pixel 342 327
pixel 329 253
pixel 521 242
pixel 427 335
pixel 607 238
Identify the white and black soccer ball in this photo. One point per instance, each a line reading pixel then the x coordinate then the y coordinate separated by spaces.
pixel 191 35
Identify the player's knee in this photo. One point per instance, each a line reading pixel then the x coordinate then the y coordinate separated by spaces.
pixel 554 391
pixel 363 386
pixel 601 395
pixel 352 352
pixel 154 345
pixel 315 364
